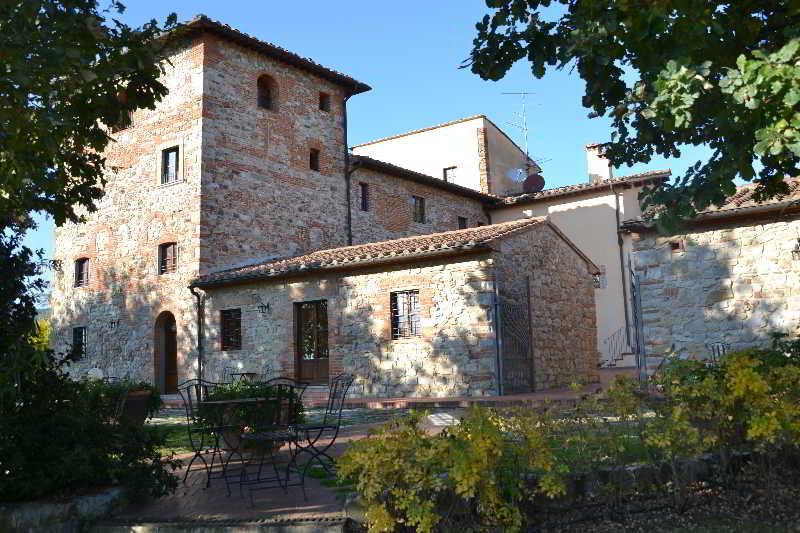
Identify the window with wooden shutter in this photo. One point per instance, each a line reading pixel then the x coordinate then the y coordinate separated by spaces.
pixel 231 329
pixel 167 257
pixel 78 344
pixel 82 272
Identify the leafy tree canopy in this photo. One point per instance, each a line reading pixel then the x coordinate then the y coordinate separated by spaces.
pixel 669 74
pixel 70 71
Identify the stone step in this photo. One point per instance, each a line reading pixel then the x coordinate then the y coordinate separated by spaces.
pixel 270 525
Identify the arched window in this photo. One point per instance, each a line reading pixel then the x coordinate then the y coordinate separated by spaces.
pixel 267 92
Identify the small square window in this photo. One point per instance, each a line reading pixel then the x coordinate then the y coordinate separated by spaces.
pixel 324 101
pixel 313 159
pixel 449 173
pixel 405 314
pixel 676 247
pixel 169 165
pixel 462 222
pixel 81 272
pixel 364 187
pixel 78 351
pixel 167 257
pixel 231 329
pixel 418 207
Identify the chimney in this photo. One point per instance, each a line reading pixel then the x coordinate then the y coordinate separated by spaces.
pixel 598 166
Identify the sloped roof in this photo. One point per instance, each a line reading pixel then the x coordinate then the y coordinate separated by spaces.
pixel 417 177
pixel 422 246
pixel 642 178
pixel 741 204
pixel 203 23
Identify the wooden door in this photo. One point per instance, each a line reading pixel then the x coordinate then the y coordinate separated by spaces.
pixel 311 329
pixel 170 356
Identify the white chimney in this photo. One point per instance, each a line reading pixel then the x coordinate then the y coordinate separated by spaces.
pixel 598 166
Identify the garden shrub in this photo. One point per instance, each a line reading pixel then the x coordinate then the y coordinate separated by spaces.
pixel 255 416
pixel 60 437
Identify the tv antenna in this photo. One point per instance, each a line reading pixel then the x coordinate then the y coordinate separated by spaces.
pixel 532 183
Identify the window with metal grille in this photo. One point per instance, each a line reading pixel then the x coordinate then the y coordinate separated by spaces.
pixel 449 173
pixel 167 257
pixel 313 159
pixel 169 165
pixel 324 101
pixel 78 344
pixel 462 222
pixel 82 272
pixel 364 196
pixel 418 207
pixel 267 92
pixel 405 314
pixel 231 329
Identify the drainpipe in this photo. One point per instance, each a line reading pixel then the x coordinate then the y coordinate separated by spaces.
pixel 620 245
pixel 200 313
pixel 498 341
pixel 347 173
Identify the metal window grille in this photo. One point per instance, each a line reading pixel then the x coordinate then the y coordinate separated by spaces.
pixel 81 272
pixel 462 222
pixel 231 329
pixel 169 165
pixel 405 314
pixel 418 203
pixel 167 257
pixel 364 196
pixel 78 344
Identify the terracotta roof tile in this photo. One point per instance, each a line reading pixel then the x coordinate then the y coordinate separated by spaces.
pixel 578 188
pixel 743 198
pixel 204 23
pixel 435 244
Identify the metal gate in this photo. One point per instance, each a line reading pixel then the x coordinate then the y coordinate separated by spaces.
pixel 517 348
pixel 637 342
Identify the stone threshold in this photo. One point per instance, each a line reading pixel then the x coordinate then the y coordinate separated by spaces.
pixel 336 523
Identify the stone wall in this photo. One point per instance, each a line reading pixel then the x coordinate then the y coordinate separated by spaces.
pixel 125 294
pixel 390 210
pixel 453 356
pixel 540 263
pixel 260 198
pixel 731 284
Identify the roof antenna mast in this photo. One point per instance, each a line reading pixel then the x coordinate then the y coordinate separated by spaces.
pixel 522 125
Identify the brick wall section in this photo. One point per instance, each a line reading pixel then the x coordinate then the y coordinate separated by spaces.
pixel 260 199
pixel 390 210
pixel 724 284
pixel 126 294
pixel 453 356
pixel 561 301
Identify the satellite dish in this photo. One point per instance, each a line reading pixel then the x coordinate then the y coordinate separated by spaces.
pixel 533 183
pixel 517 174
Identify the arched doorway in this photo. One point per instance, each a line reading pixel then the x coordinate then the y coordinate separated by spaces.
pixel 166 353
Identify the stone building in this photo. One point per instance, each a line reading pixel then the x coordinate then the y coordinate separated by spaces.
pixel 245 162
pixel 730 277
pixel 416 316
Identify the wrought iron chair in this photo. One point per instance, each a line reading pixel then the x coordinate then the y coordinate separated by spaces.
pixel 226 374
pixel 717 351
pixel 204 438
pixel 285 399
pixel 317 439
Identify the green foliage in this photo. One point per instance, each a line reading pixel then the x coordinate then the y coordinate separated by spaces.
pixel 670 74
pixel 63 436
pixel 253 416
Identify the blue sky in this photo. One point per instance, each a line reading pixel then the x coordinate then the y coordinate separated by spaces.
pixel 409 52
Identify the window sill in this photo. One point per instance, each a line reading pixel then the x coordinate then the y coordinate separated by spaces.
pixel 170 184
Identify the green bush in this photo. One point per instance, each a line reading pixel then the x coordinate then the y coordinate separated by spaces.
pixel 254 416
pixel 61 436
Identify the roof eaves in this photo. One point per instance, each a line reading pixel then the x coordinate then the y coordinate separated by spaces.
pixel 204 23
pixel 401 172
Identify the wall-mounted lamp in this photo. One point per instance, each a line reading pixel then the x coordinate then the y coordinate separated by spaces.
pixel 263 308
pixel 796 251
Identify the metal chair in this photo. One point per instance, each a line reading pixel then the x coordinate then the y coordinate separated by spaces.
pixel 308 437
pixel 717 351
pixel 204 438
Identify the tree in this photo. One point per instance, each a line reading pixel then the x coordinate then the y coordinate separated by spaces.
pixel 70 72
pixel 670 73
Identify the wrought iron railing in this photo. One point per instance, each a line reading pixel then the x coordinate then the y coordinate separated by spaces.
pixel 619 344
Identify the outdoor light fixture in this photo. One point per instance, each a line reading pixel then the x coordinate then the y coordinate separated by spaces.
pixel 796 251
pixel 263 308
